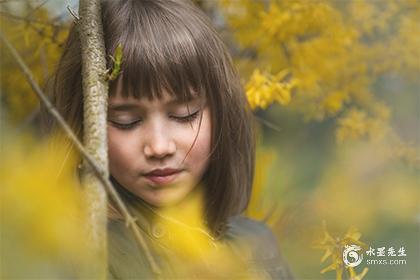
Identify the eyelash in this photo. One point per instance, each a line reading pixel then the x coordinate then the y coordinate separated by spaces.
pixel 188 118
pixel 131 125
pixel 125 126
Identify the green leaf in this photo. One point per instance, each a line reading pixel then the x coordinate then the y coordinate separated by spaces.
pixel 117 58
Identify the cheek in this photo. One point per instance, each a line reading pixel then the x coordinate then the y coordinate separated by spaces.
pixel 120 151
pixel 201 148
pixel 200 152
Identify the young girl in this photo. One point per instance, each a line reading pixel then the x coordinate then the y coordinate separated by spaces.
pixel 179 131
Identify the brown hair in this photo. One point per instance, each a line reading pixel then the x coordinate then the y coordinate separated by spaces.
pixel 171 45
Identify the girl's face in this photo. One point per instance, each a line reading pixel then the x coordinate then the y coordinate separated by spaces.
pixel 158 149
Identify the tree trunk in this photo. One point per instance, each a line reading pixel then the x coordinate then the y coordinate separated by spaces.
pixel 95 92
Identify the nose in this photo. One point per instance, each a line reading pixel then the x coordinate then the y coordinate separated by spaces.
pixel 159 143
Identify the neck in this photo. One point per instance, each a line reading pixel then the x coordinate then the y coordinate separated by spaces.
pixel 189 211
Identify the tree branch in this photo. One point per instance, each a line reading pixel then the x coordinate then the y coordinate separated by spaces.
pixel 95 98
pixel 129 219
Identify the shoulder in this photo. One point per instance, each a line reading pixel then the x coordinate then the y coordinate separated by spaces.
pixel 254 234
pixel 255 242
pixel 240 226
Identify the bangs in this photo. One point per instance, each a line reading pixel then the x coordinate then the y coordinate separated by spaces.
pixel 158 55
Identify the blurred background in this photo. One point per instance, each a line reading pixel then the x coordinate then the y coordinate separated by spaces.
pixel 334 86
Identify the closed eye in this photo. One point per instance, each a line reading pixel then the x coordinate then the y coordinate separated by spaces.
pixel 186 119
pixel 127 126
pixel 182 119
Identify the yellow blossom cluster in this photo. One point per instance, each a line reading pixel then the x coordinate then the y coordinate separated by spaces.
pixel 334 247
pixel 357 124
pixel 337 51
pixel 265 89
pixel 301 19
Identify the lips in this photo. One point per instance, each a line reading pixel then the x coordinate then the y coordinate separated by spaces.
pixel 162 176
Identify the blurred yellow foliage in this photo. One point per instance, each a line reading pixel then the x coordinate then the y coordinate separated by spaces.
pixel 189 246
pixel 42 216
pixel 359 172
pixel 336 50
pixel 260 206
pixel 39 39
pixel 186 232
pixel 323 59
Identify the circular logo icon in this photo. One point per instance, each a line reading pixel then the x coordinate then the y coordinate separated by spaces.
pixel 352 256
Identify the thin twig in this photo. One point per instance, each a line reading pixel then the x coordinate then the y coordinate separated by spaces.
pixel 268 124
pixel 36 8
pixel 100 174
pixel 76 17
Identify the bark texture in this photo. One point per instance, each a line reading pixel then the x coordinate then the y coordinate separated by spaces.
pixel 95 94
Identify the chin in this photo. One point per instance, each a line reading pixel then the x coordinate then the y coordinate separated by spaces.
pixel 158 202
pixel 168 195
pixel 163 198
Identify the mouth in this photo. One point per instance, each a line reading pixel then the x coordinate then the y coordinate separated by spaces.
pixel 162 176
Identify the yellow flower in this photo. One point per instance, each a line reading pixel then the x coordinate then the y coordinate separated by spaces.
pixel 264 89
pixel 334 247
